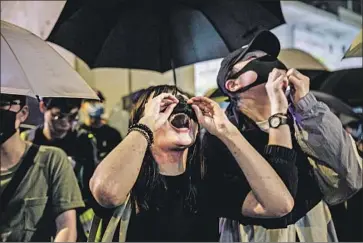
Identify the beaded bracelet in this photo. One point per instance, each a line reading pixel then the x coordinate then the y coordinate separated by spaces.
pixel 143 133
pixel 145 130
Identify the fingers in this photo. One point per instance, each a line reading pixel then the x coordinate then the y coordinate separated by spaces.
pixel 295 73
pixel 169 110
pixel 203 100
pixel 206 105
pixel 276 73
pixel 166 96
pixel 198 113
pixel 295 81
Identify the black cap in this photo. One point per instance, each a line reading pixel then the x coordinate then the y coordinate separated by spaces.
pixel 264 41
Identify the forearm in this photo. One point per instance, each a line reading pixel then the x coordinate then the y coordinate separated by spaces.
pixel 280 136
pixel 66 235
pixel 66 227
pixel 117 173
pixel 266 185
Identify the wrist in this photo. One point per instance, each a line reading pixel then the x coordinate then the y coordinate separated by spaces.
pixel 149 122
pixel 277 111
pixel 228 133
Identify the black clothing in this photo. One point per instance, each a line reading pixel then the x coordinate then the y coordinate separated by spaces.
pixel 217 196
pixel 174 222
pixel 107 139
pixel 298 177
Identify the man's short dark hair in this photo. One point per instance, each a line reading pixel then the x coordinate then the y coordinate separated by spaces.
pixel 13 97
pixel 64 104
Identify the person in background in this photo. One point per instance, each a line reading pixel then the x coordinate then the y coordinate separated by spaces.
pixel 60 129
pixel 106 136
pixel 329 167
pixel 39 191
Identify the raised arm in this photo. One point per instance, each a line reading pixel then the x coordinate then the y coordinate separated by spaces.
pixel 269 196
pixel 117 173
pixel 337 162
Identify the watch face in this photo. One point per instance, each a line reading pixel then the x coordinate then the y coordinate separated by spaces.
pixel 275 122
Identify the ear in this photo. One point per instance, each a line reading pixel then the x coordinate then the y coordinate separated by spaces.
pixel 233 85
pixel 42 107
pixel 23 114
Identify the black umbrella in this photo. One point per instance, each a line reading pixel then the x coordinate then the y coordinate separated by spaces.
pixel 346 84
pixel 160 35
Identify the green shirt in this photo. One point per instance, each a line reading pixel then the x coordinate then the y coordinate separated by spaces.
pixel 48 189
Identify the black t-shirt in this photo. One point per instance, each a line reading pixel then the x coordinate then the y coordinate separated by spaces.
pixel 107 139
pixel 174 222
pixel 298 176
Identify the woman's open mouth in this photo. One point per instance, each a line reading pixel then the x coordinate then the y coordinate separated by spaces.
pixel 180 122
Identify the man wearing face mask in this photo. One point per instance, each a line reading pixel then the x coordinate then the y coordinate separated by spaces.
pixel 35 183
pixel 60 129
pixel 106 136
pixel 328 164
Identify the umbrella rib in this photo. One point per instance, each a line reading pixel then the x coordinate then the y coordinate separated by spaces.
pixel 27 79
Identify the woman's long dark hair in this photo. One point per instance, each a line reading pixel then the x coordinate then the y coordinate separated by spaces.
pixel 150 185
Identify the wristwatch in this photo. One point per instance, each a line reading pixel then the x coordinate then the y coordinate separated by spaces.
pixel 277 120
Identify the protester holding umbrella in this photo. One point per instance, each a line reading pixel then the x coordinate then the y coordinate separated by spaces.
pixel 330 170
pixel 158 177
pixel 35 183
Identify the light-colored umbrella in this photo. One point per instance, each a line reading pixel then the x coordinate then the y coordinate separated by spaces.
pixel 295 58
pixel 355 49
pixel 31 67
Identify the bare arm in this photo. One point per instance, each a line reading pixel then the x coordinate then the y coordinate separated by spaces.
pixel 117 173
pixel 66 227
pixel 269 196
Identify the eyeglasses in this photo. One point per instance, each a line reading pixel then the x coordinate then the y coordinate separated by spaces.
pixel 69 116
pixel 8 104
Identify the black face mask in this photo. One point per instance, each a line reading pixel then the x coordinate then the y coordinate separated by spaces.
pixel 7 125
pixel 182 108
pixel 262 66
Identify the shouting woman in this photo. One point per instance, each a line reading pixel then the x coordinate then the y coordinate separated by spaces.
pixel 159 168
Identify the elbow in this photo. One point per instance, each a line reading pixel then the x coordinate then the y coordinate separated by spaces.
pixel 105 195
pixel 285 207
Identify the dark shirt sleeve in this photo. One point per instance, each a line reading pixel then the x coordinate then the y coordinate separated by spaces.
pixel 226 184
pixel 283 161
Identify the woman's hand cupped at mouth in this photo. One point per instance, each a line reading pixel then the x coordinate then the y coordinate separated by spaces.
pixel 211 116
pixel 158 109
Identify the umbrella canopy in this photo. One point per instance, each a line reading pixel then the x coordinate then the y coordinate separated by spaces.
pixel 31 67
pixel 346 84
pixel 160 35
pixel 355 49
pixel 345 112
pixel 295 58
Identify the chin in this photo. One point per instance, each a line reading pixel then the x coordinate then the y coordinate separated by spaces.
pixel 185 142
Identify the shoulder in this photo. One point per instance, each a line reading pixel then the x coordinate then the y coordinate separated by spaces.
pixel 29 135
pixel 84 135
pixel 111 130
pixel 51 157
